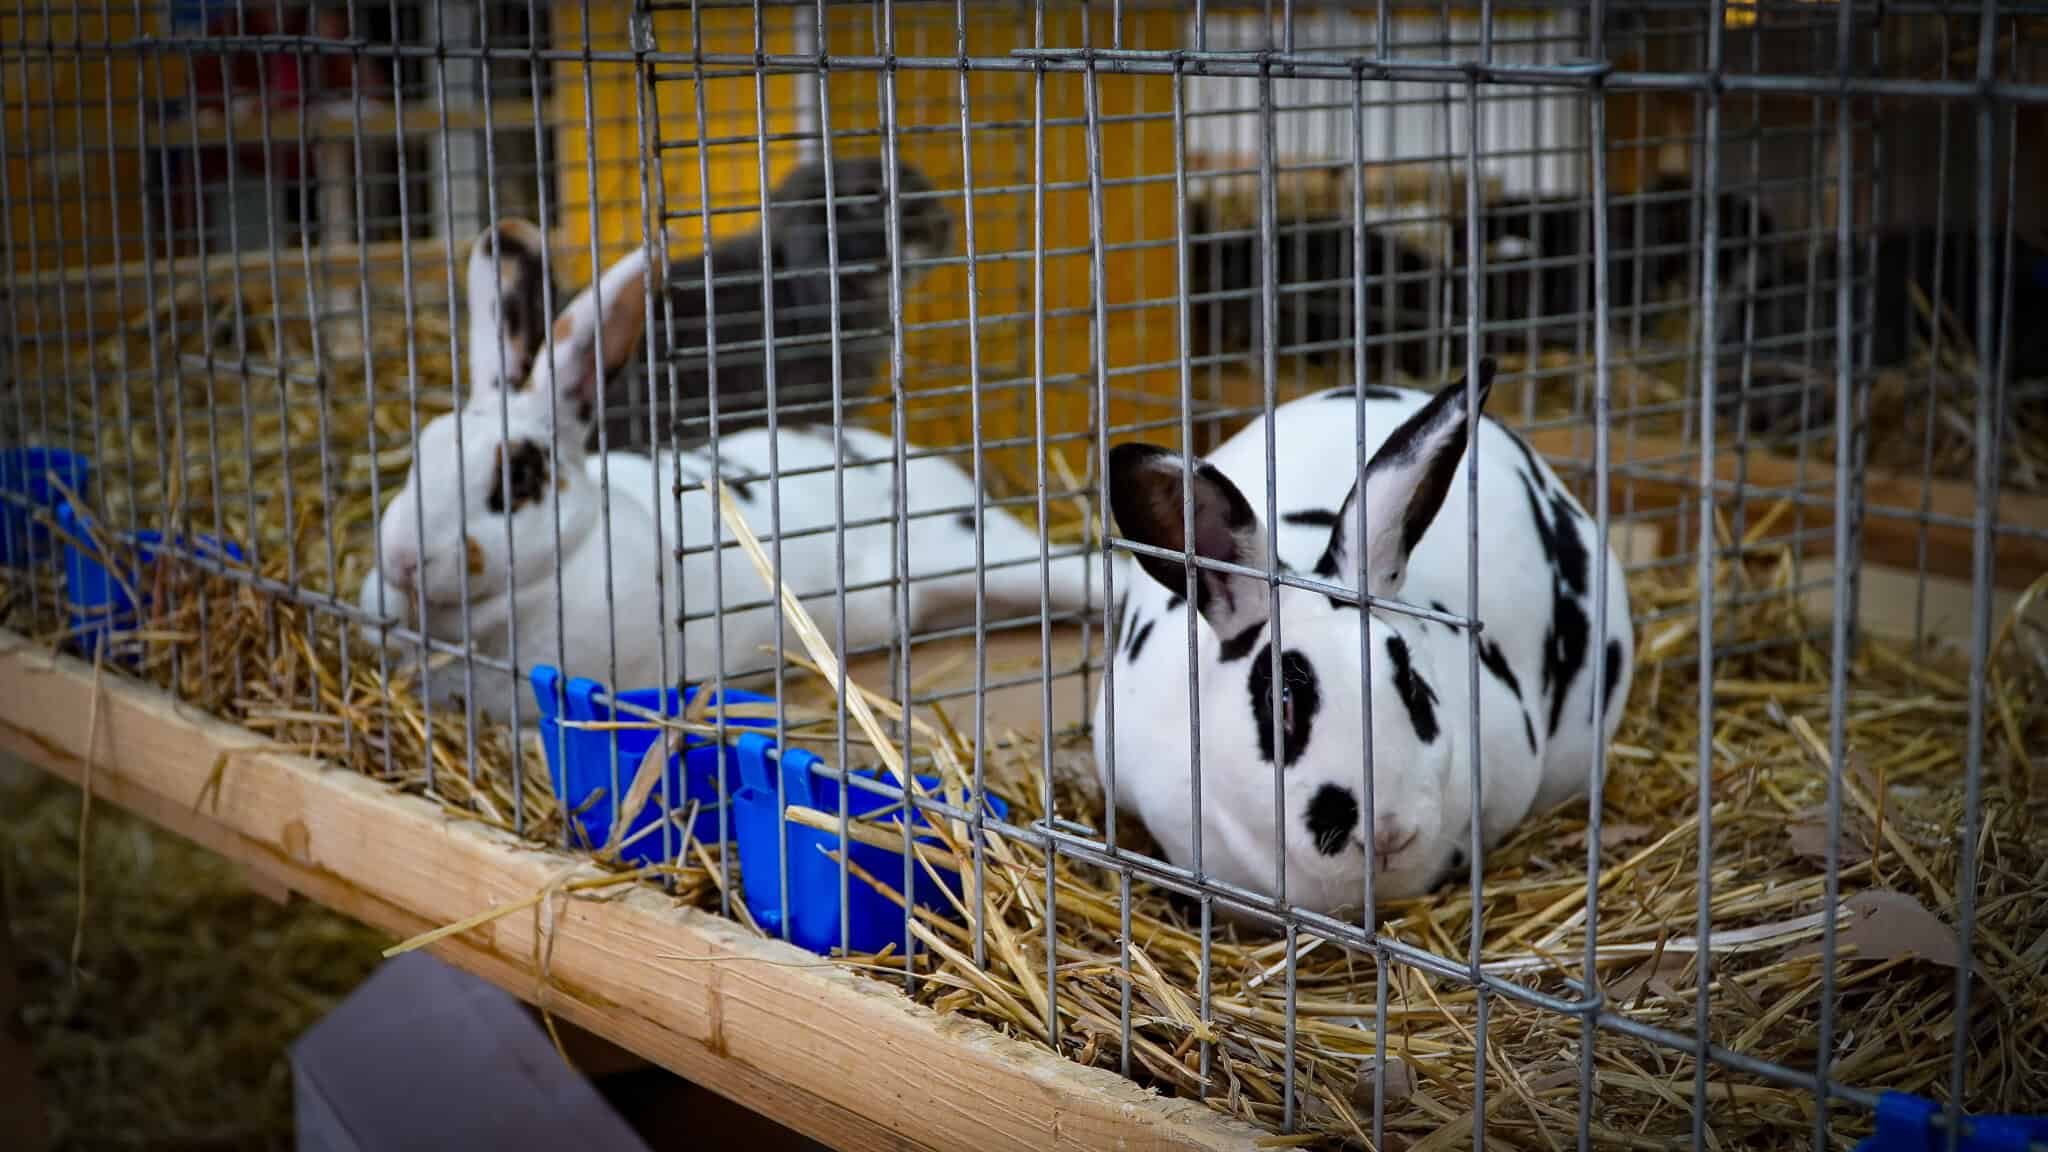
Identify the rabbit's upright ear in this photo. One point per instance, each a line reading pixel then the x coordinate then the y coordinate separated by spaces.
pixel 601 328
pixel 1149 494
pixel 1405 485
pixel 509 294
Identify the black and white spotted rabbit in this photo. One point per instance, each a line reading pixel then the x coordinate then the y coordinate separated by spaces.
pixel 1543 655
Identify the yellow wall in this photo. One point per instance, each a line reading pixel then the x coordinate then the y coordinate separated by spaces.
pixel 1003 163
pixel 616 104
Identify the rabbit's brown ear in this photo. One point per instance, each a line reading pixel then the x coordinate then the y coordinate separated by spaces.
pixel 509 295
pixel 600 329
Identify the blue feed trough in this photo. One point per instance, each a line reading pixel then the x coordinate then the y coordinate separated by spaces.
pixel 99 604
pixel 1908 1123
pixel 26 487
pixel 813 878
pixel 582 764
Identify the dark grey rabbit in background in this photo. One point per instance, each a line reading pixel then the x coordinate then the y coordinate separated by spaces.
pixel 802 312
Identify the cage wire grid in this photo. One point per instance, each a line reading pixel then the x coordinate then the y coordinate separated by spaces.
pixel 239 239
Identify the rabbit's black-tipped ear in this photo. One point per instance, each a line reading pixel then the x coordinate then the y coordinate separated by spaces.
pixel 1147 495
pixel 1405 485
pixel 508 301
pixel 603 325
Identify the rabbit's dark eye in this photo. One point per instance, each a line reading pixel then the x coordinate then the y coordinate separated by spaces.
pixel 521 477
pixel 1300 697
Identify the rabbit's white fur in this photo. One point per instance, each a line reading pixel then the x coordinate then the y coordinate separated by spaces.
pixel 484 472
pixel 1542 657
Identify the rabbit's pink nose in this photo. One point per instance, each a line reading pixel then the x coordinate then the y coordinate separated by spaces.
pixel 1391 836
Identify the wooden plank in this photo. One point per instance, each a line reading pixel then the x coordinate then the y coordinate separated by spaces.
pixel 1888 599
pixel 1662 473
pixel 839 1057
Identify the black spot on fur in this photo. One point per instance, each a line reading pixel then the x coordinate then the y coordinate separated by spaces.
pixel 1564 652
pixel 521 477
pixel 1174 602
pixel 1496 662
pixel 1613 674
pixel 1326 564
pixel 1572 560
pixel 1545 534
pixel 1416 693
pixel 1311 518
pixel 1529 730
pixel 1564 647
pixel 1332 818
pixel 1458 862
pixel 1300 697
pixel 1439 606
pixel 1138 639
pixel 965 520
pixel 1238 647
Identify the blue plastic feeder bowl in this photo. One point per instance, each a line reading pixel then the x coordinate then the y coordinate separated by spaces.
pixel 582 766
pixel 814 920
pixel 1907 1123
pixel 25 487
pixel 98 603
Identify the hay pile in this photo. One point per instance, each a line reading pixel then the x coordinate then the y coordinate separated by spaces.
pixel 270 664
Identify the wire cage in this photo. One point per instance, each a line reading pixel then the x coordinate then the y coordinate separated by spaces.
pixel 322 316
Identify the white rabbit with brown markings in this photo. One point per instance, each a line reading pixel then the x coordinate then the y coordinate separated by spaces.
pixel 574 551
pixel 1544 657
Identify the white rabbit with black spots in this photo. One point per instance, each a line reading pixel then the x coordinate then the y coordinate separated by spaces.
pixel 494 470
pixel 1543 656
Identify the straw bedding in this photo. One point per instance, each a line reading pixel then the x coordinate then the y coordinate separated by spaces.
pixel 270 664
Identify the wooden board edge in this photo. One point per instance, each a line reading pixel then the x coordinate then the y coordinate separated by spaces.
pixel 1657 473
pixel 842 1058
pixel 791 1106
